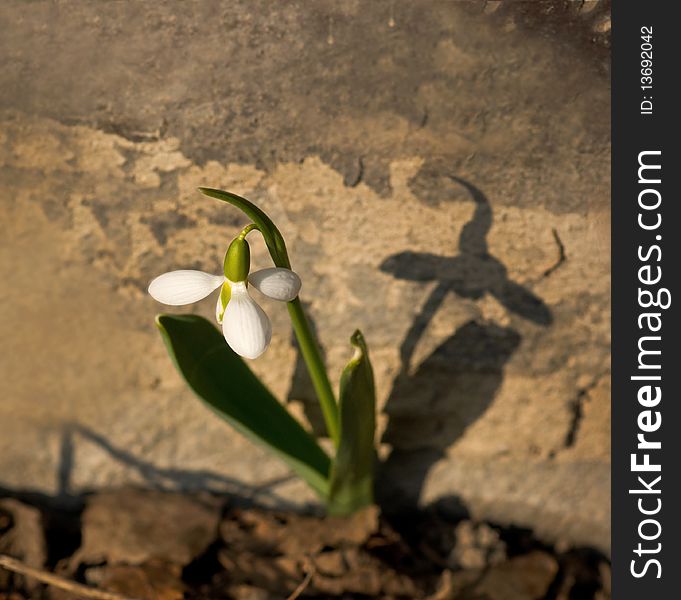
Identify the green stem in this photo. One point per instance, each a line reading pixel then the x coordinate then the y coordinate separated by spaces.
pixel 315 366
pixel 246 230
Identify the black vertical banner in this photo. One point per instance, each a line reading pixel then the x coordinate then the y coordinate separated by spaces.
pixel 646 269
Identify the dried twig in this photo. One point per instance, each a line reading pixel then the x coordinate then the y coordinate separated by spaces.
pixel 304 583
pixel 16 566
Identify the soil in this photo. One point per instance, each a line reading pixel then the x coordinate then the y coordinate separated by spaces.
pixel 160 545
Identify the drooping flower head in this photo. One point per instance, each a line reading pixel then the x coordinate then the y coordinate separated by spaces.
pixel 246 327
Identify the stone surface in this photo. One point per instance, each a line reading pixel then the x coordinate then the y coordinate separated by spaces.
pixel 441 174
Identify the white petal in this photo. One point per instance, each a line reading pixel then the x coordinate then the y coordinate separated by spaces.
pixel 245 325
pixel 277 283
pixel 183 287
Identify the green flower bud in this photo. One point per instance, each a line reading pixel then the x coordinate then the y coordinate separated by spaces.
pixel 238 260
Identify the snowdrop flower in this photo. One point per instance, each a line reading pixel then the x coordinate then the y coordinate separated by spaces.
pixel 245 325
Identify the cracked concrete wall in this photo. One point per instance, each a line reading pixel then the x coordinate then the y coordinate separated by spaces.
pixel 441 174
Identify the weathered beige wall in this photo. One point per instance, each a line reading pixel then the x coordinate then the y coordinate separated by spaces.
pixel 442 179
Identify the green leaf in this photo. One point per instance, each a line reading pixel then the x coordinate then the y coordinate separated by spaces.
pixel 273 238
pixel 352 473
pixel 224 382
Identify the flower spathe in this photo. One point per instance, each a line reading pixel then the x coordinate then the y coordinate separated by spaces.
pixel 246 327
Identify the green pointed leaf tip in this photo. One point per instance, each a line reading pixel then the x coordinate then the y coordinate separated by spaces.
pixel 272 236
pixel 224 382
pixel 352 472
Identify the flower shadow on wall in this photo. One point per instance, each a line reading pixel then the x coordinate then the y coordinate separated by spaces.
pixel 431 408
